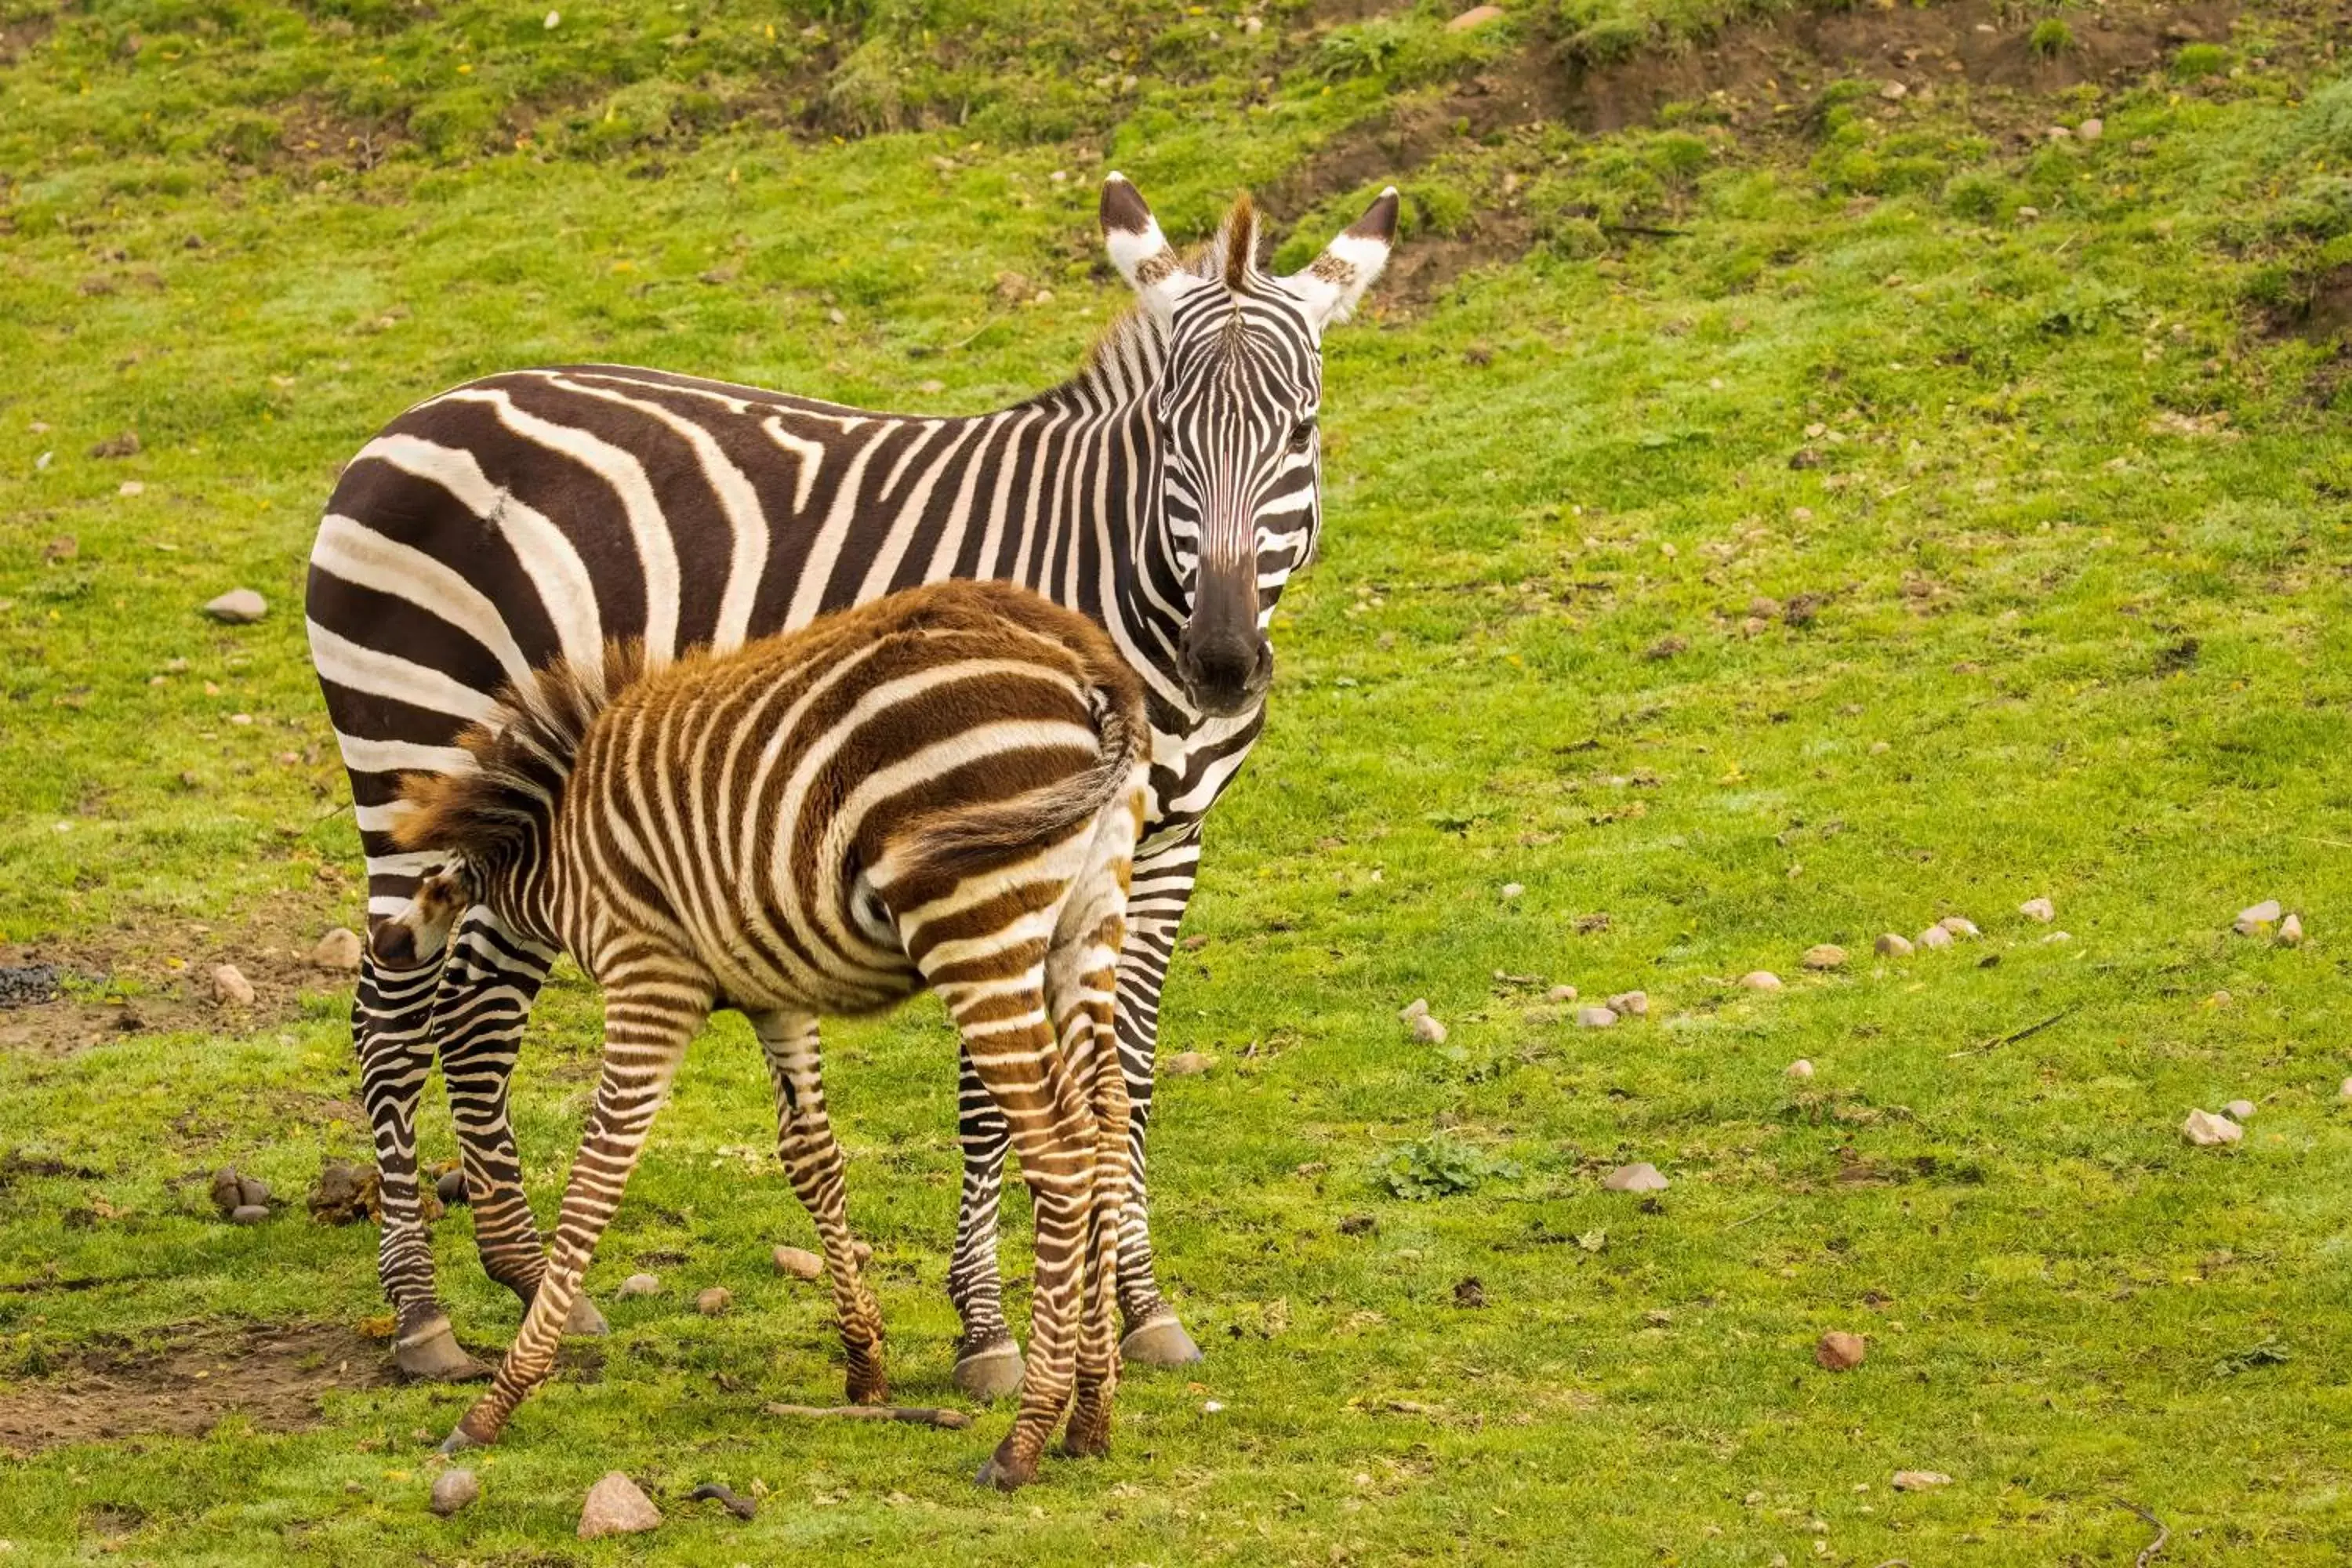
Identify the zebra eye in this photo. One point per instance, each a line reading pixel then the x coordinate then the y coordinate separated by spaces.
pixel 1302 435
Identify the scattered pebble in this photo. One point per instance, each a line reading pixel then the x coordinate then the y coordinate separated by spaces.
pixel 1800 1069
pixel 1560 994
pixel 714 1302
pixel 1890 945
pixel 1594 1018
pixel 1961 926
pixel 1934 937
pixel 451 1187
pixel 2250 921
pixel 641 1285
pixel 1825 955
pixel 1643 1177
pixel 798 1262
pixel 2344 1092
pixel 2038 910
pixel 248 1214
pixel 2204 1129
pixel 230 985
pixel 615 1507
pixel 1428 1030
pixel 1476 16
pixel 338 948
pixel 1211 1407
pixel 1840 1352
pixel 2239 1109
pixel 1893 91
pixel 1631 1004
pixel 129 488
pixel 238 606
pixel 1513 889
pixel 1416 1008
pixel 1188 1064
pixel 2290 932
pixel 2091 130
pixel 1919 1481
pixel 1761 979
pixel 452 1489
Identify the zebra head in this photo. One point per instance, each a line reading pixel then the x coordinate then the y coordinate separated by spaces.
pixel 1240 386
pixel 415 936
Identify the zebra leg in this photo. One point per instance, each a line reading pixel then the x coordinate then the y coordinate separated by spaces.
pixel 804 1140
pixel 392 1028
pixel 653 1005
pixel 486 991
pixel 987 1358
pixel 1011 1039
pixel 1162 885
pixel 1090 1044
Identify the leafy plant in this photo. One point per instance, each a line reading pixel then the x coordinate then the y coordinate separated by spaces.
pixel 2051 37
pixel 1443 1166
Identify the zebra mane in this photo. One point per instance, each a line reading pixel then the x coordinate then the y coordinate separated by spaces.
pixel 521 754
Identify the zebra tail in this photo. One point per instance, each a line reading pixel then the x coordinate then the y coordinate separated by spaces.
pixel 959 842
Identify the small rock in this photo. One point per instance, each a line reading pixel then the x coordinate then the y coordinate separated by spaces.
pixel 230 985
pixel 1476 16
pixel 2239 1109
pixel 227 1189
pixel 1934 937
pixel 452 1489
pixel 1643 1177
pixel 1961 926
pixel 1595 1018
pixel 1800 1069
pixel 2344 1092
pixel 1417 1008
pixel 2091 130
pixel 238 606
pixel 1825 955
pixel 1188 1064
pixel 641 1285
pixel 1893 91
pixel 2204 1129
pixel 862 1251
pixel 798 1262
pixel 1560 994
pixel 1840 1352
pixel 2038 910
pixel 1513 889
pixel 615 1507
pixel 1631 1004
pixel 2028 214
pixel 1761 979
pixel 714 1302
pixel 129 488
pixel 248 1214
pixel 2290 932
pixel 451 1187
pixel 1428 1030
pixel 1919 1481
pixel 1890 945
pixel 2251 921
pixel 338 948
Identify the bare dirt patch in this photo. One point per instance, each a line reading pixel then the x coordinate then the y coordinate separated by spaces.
pixel 155 976
pixel 269 1374
pixel 21 36
pixel 2321 311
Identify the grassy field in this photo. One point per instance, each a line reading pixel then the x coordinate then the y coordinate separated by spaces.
pixel 1766 510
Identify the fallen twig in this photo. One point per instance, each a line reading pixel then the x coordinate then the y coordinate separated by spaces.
pixel 2016 1035
pixel 1759 1214
pixel 913 1415
pixel 741 1507
pixel 2147 1553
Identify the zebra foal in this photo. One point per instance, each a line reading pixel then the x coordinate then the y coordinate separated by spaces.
pixel 944 789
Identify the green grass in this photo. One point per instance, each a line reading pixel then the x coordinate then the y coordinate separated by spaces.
pixel 2070 522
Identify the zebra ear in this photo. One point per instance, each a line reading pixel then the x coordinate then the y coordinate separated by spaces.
pixel 1330 285
pixel 1140 251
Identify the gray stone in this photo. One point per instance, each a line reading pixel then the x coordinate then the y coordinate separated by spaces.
pixel 2038 910
pixel 1594 1018
pixel 2239 1109
pixel 2205 1129
pixel 641 1285
pixel 1934 937
pixel 714 1302
pixel 1428 1030
pixel 1631 1004
pixel 452 1489
pixel 798 1262
pixel 1761 979
pixel 616 1506
pixel 2290 932
pixel 1890 945
pixel 338 948
pixel 1800 1069
pixel 1643 1177
pixel 1825 955
pixel 1560 994
pixel 2251 920
pixel 238 607
pixel 1961 926
pixel 231 986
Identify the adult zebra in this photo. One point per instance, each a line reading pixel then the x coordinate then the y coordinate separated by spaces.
pixel 1167 492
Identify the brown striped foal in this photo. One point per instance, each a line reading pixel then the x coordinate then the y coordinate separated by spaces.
pixel 942 788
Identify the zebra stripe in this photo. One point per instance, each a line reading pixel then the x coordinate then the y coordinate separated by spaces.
pixel 1167 492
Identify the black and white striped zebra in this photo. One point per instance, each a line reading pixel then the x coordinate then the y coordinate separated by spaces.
pixel 1167 492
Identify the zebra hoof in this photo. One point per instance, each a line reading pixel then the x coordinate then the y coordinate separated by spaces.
pixel 584 1320
pixel 432 1355
pixel 1162 1342
pixel 993 1373
pixel 1002 1474
pixel 459 1440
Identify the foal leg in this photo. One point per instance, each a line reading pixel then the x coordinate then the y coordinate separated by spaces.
pixel 804 1140
pixel 987 1358
pixel 652 1008
pixel 1089 1041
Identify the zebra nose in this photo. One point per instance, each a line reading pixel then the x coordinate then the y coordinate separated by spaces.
pixel 395 945
pixel 1226 673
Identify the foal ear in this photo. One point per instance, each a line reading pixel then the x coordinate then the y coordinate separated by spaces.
pixel 1330 285
pixel 1140 251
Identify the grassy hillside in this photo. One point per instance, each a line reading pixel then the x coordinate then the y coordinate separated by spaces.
pixel 1767 508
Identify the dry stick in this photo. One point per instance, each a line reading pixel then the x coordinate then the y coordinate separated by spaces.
pixel 914 1414
pixel 2147 1553
pixel 2016 1035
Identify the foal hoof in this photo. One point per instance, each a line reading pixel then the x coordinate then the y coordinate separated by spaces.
pixel 993 1373
pixel 432 1355
pixel 1162 1342
pixel 584 1320
pixel 997 1472
pixel 459 1440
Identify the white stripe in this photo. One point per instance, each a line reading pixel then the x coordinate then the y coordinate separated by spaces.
pixel 362 755
pixel 361 556
pixel 347 663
